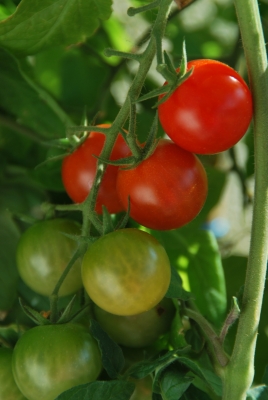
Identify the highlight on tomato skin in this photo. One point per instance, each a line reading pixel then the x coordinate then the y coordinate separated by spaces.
pixel 79 170
pixel 167 190
pixel 126 272
pixel 209 112
pixel 43 253
pixel 8 387
pixel 50 359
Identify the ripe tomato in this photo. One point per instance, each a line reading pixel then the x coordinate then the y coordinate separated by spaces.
pixel 126 272
pixel 43 253
pixel 8 387
pixel 79 170
pixel 210 111
pixel 50 359
pixel 167 190
pixel 137 330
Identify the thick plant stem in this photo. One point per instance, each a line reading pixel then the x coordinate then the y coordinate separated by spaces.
pixel 239 372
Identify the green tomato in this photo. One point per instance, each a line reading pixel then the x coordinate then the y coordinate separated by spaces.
pixel 50 359
pixel 137 330
pixel 126 272
pixel 143 388
pixel 8 388
pixel 43 253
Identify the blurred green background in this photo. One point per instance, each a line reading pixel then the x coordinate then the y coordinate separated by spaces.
pixel 43 93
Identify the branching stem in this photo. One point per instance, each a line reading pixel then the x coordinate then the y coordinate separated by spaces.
pixel 240 371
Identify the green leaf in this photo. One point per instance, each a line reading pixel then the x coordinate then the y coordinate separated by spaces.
pixel 20 195
pixel 265 376
pixel 196 256
pixel 144 368
pixel 48 173
pixel 175 290
pixel 29 103
pixel 9 236
pixel 193 393
pixel 38 25
pixel 9 334
pixel 258 393
pixel 112 390
pixel 171 382
pixel 112 356
pixel 216 182
pixel 177 330
pixel 212 380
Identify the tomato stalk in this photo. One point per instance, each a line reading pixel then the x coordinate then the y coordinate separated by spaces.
pixel 145 61
pixel 239 372
pixel 88 207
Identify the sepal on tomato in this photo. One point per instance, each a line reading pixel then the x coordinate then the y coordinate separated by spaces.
pixel 34 315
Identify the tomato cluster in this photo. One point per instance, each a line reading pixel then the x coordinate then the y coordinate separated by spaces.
pixel 208 113
pixel 127 272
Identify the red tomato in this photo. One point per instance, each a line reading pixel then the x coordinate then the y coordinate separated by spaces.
pixel 210 111
pixel 167 190
pixel 79 169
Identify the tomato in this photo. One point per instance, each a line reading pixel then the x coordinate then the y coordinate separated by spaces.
pixel 210 111
pixel 167 190
pixel 126 272
pixel 43 253
pixel 50 359
pixel 137 330
pixel 8 388
pixel 143 388
pixel 79 170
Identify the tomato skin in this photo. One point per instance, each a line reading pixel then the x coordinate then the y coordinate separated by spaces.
pixel 50 359
pixel 137 330
pixel 43 253
pixel 79 170
pixel 167 190
pixel 210 112
pixel 126 272
pixel 143 389
pixel 8 388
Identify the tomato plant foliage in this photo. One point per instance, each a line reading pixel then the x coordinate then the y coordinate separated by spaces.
pixel 122 250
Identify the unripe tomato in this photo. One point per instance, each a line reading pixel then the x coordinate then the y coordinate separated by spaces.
pixel 137 330
pixel 50 359
pixel 126 272
pixel 143 388
pixel 43 253
pixel 210 111
pixel 8 387
pixel 79 170
pixel 167 190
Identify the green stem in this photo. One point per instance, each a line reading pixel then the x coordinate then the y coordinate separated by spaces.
pixel 239 372
pixel 212 336
pixel 134 92
pixel 55 293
